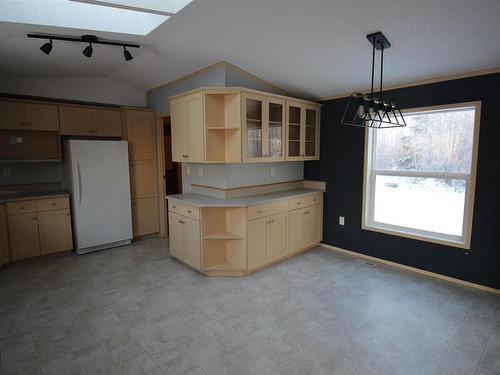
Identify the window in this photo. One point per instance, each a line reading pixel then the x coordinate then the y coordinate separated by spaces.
pixel 420 179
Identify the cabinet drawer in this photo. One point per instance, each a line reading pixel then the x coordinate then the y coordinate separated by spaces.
pixel 261 210
pixel 50 204
pixel 21 207
pixel 306 201
pixel 184 209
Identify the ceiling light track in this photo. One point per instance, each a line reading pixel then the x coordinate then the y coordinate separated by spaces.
pixel 87 39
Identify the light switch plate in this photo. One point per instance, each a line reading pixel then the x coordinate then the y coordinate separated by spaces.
pixel 188 170
pixel 341 220
pixel 200 172
pixel 273 171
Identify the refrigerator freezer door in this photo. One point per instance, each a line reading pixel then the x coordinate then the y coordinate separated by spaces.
pixel 100 192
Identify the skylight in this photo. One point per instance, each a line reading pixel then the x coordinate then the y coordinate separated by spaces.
pixel 154 6
pixel 89 16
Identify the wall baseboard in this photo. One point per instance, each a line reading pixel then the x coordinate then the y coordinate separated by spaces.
pixel 453 280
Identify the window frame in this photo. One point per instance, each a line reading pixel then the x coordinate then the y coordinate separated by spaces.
pixel 369 175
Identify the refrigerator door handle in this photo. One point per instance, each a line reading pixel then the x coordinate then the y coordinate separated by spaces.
pixel 79 182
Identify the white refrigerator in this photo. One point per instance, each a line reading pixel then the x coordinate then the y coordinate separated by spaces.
pixel 97 175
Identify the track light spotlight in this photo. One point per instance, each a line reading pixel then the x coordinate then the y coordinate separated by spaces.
pixel 128 56
pixel 47 47
pixel 88 50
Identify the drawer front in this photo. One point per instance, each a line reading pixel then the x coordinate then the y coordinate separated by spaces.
pixel 21 207
pixel 184 209
pixel 50 204
pixel 306 201
pixel 261 210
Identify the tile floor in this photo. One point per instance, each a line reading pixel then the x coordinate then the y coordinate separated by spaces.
pixel 135 310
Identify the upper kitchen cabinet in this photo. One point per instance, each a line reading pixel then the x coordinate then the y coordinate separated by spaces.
pixel 303 121
pixel 28 116
pixel 139 128
pixel 89 121
pixel 235 125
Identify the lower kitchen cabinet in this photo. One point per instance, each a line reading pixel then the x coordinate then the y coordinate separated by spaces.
pixel 305 227
pixel 256 242
pixel 4 236
pixel 185 240
pixel 55 231
pixel 145 216
pixel 24 236
pixel 277 236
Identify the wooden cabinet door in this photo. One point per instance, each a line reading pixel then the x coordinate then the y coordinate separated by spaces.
pixel 179 127
pixel 42 116
pixel 196 134
pixel 312 133
pixel 55 231
pixel 107 123
pixel 23 234
pixel 193 242
pixel 314 225
pixel 145 216
pixel 256 242
pixel 277 236
pixel 141 134
pixel 177 236
pixel 12 115
pixel 275 119
pixel 295 134
pixel 297 230
pixel 4 236
pixel 143 180
pixel 254 144
pixel 75 120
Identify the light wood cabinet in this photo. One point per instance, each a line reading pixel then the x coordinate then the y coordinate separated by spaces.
pixel 257 242
pixel 55 231
pixel 28 116
pixel 4 236
pixel 185 240
pixel 314 225
pixel 187 121
pixel 24 237
pixel 306 227
pixel 297 229
pixel 145 216
pixel 177 236
pixel 303 131
pixel 277 236
pixel 143 179
pixel 89 121
pixel 139 128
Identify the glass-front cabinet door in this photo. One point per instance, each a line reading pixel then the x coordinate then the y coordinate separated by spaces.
pixel 264 128
pixel 311 149
pixel 294 148
pixel 302 141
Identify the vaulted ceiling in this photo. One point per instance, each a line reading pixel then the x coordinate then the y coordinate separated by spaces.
pixel 310 48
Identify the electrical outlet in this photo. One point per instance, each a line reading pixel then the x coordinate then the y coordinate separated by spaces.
pixel 341 220
pixel 200 172
pixel 273 171
pixel 7 172
pixel 188 170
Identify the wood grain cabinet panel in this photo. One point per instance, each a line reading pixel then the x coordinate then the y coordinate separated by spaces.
pixel 42 116
pixel 176 236
pixel 193 243
pixel 257 242
pixel 297 230
pixel 24 237
pixel 141 134
pixel 277 236
pixel 12 115
pixel 55 231
pixel 145 216
pixel 107 123
pixel 75 120
pixel 143 179
pixel 4 236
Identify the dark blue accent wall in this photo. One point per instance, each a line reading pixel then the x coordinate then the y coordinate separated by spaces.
pixel 341 166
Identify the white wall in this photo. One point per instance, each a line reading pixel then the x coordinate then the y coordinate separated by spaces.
pixel 97 90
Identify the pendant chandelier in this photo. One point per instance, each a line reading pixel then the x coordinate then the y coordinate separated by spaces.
pixel 368 110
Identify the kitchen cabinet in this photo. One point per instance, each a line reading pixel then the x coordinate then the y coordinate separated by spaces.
pixel 39 227
pixel 90 121
pixel 4 236
pixel 28 116
pixel 143 178
pixel 145 216
pixel 55 231
pixel 263 128
pixel 256 242
pixel 303 131
pixel 29 145
pixel 185 240
pixel 139 128
pixel 305 227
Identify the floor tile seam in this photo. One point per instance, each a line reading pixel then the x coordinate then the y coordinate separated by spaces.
pixel 486 343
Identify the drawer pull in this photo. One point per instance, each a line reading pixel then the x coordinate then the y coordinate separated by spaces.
pixel 185 156
pixel 174 206
pixel 34 218
pixel 189 211
pixel 181 222
pixel 21 208
pixel 270 221
pixel 314 199
pixel 259 211
pixel 53 203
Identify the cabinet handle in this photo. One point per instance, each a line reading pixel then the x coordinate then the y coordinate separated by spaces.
pixel 181 221
pixel 270 221
pixel 299 203
pixel 53 203
pixel 173 206
pixel 259 211
pixel 35 218
pixel 185 156
pixel 21 208
pixel 314 199
pixel 189 211
pixel 67 214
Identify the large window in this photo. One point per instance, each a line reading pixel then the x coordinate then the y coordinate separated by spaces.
pixel 419 179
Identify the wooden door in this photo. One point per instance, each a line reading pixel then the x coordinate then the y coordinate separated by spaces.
pixel 4 236
pixel 312 132
pixel 23 235
pixel 177 236
pixel 196 133
pixel 75 120
pixel 141 135
pixel 277 236
pixel 107 123
pixel 55 231
pixel 143 179
pixel 42 116
pixel 179 128
pixel 295 131
pixel 314 225
pixel 193 243
pixel 254 132
pixel 297 230
pixel 145 216
pixel 256 242
pixel 12 115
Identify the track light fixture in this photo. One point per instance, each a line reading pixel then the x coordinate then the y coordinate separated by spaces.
pixel 47 47
pixel 370 111
pixel 90 39
pixel 128 56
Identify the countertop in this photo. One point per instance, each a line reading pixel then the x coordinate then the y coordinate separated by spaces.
pixel 206 201
pixel 33 195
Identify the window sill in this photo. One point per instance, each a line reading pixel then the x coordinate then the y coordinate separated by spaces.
pixel 461 245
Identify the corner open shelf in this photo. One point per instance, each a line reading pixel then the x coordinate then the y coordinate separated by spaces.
pixel 224 239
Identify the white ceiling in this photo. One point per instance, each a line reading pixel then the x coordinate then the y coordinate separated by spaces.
pixel 309 48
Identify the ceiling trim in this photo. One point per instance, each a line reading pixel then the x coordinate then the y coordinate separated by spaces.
pixel 125 7
pixel 418 83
